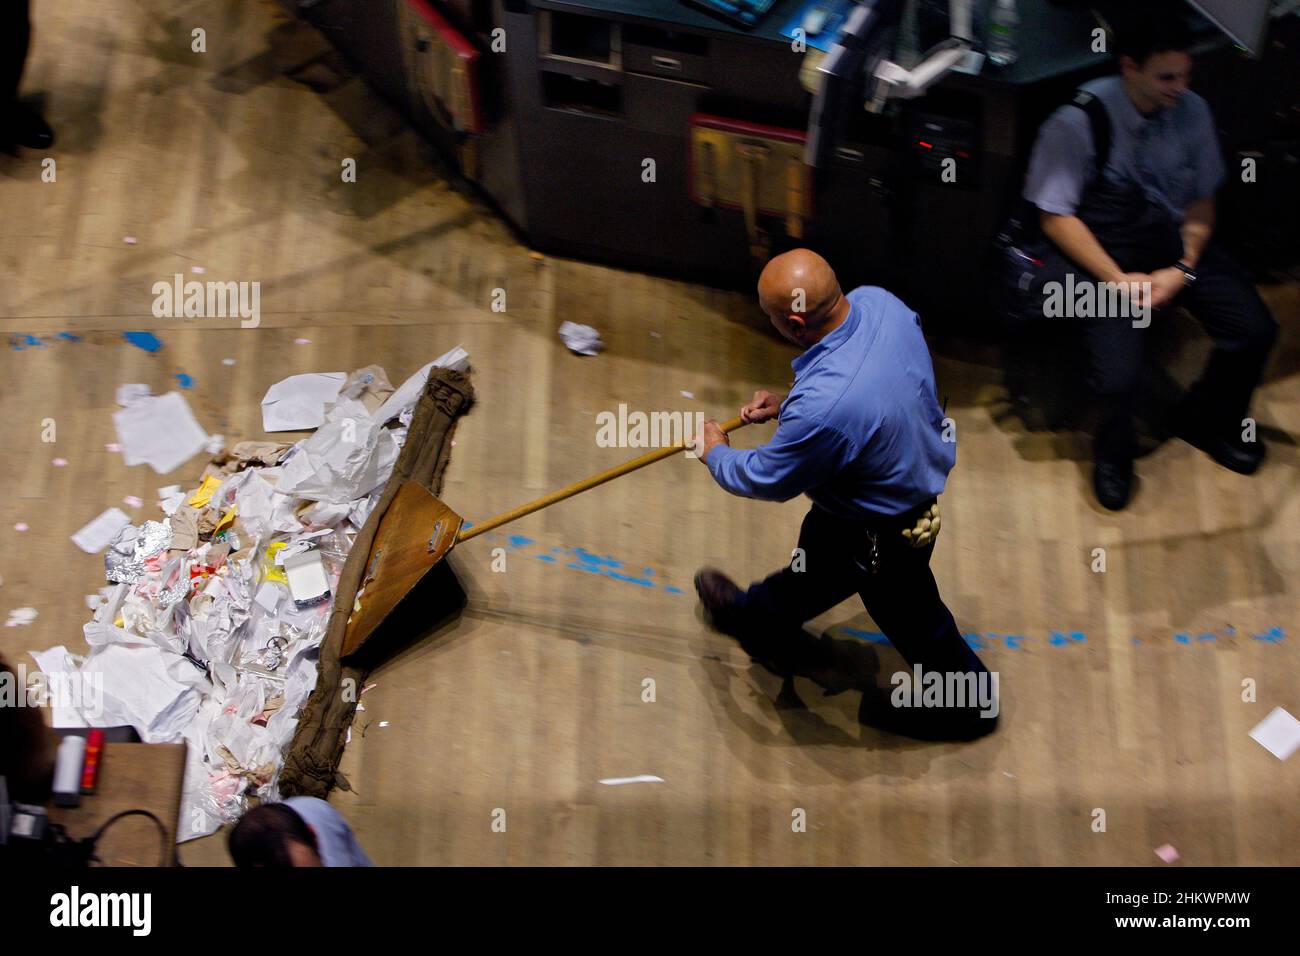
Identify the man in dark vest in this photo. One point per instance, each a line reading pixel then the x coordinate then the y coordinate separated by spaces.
pixel 1143 223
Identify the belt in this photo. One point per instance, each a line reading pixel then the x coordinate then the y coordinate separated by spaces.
pixel 917 528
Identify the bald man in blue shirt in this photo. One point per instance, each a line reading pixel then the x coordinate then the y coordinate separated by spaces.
pixel 861 433
pixel 1144 222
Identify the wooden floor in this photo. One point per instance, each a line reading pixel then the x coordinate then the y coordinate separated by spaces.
pixel 1121 690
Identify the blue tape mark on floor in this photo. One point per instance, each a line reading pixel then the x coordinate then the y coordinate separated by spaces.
pixel 585 556
pixel 22 340
pixel 871 637
pixel 583 560
pixel 989 641
pixel 184 381
pixel 143 340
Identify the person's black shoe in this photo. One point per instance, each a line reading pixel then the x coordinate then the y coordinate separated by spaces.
pixel 720 597
pixel 1113 483
pixel 1228 449
pixel 23 126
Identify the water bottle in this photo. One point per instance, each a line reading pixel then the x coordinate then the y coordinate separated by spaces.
pixel 1003 23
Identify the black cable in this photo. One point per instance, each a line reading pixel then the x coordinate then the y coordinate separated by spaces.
pixel 93 840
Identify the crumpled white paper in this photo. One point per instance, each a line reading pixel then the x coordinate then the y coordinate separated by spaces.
pixel 298 402
pixel 342 461
pixel 582 339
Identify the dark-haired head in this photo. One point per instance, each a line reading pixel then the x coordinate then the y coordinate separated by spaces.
pixel 1151 29
pixel 1151 46
pixel 272 835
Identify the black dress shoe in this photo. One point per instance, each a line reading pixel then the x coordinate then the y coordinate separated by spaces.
pixel 1229 450
pixel 25 127
pixel 721 599
pixel 1113 483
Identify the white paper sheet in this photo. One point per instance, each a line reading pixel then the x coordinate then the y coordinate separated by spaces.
pixel 139 691
pixel 128 395
pixel 160 432
pixel 306 574
pixel 298 402
pixel 58 663
pixel 268 596
pixel 170 498
pixel 1278 733
pixel 99 533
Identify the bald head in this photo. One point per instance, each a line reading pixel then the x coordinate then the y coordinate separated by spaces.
pixel 800 294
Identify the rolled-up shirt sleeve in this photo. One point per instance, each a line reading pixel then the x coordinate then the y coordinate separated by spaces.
pixel 1061 163
pixel 801 455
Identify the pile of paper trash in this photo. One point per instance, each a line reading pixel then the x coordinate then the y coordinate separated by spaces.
pixel 209 628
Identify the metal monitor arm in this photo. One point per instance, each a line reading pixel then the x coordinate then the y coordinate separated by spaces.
pixel 892 81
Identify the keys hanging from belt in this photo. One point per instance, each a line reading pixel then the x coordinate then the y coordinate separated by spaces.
pixel 873 556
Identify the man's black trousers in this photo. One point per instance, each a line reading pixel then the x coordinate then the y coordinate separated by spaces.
pixel 1226 304
pixel 900 595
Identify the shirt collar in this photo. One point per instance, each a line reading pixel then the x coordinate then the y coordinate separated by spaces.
pixel 1129 115
pixel 829 344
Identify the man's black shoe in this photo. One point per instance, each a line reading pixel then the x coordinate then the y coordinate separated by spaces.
pixel 1229 450
pixel 1113 483
pixel 23 126
pixel 720 597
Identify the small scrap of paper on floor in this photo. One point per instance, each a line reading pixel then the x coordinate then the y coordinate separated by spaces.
pixel 20 616
pixel 1278 733
pixel 641 778
pixel 582 339
pixel 1167 853
pixel 99 533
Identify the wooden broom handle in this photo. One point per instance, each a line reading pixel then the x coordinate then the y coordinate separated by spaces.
pixel 586 484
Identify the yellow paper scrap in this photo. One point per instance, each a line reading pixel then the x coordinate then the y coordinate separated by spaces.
pixel 206 490
pixel 270 570
pixel 226 521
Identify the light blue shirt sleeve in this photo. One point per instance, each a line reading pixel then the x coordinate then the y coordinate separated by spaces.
pixel 1061 164
pixel 801 455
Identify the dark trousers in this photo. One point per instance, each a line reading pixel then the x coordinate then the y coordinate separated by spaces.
pixel 1225 302
pixel 900 595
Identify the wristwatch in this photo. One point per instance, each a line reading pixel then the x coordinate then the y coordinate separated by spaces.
pixel 1189 274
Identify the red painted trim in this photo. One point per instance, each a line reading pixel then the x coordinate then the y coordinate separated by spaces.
pixel 455 39
pixel 782 133
pixel 464 50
